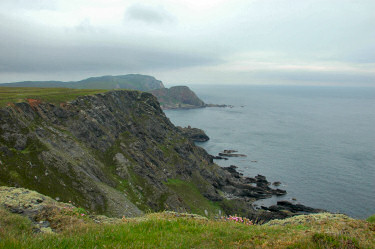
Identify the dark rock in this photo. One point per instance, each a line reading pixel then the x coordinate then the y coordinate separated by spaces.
pixel 231 169
pixel 230 151
pixel 219 157
pixel 279 192
pixel 276 183
pixel 6 151
pixel 296 207
pixel 177 97
pixel 231 155
pixel 219 105
pixel 197 135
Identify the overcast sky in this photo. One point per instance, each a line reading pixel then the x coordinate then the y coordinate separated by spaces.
pixel 313 42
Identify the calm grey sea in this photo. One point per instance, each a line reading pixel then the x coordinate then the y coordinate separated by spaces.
pixel 318 141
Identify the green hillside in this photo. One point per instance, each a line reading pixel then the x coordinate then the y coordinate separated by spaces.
pixel 51 95
pixel 174 97
pixel 129 81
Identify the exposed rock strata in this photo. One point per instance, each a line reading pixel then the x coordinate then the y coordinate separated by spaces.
pixel 117 153
pixel 178 97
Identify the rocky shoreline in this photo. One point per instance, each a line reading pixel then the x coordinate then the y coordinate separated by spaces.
pixel 255 188
pixel 116 153
pixel 250 189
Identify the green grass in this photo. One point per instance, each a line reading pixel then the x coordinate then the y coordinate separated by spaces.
pixel 51 95
pixel 371 219
pixel 191 196
pixel 166 230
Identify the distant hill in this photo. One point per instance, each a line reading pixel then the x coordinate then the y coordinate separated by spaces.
pixel 172 98
pixel 177 97
pixel 129 81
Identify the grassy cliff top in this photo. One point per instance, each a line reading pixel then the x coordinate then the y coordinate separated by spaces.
pixel 50 95
pixel 174 230
pixel 54 224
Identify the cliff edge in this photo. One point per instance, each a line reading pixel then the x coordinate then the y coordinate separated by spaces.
pixel 178 97
pixel 116 153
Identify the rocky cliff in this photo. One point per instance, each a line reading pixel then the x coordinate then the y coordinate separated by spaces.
pixel 116 153
pixel 170 98
pixel 177 97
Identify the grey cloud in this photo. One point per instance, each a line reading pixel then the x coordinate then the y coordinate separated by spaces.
pixel 30 50
pixel 148 14
pixel 69 58
pixel 311 31
pixel 85 26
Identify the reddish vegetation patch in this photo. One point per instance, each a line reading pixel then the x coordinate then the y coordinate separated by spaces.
pixel 34 102
pixel 11 104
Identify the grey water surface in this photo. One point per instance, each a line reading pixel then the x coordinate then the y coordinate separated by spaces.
pixel 319 142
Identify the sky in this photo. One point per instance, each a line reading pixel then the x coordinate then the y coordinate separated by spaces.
pixel 183 42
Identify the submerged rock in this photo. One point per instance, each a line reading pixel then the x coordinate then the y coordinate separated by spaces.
pixel 231 153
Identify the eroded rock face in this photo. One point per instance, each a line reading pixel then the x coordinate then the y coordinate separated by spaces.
pixel 195 134
pixel 178 97
pixel 115 153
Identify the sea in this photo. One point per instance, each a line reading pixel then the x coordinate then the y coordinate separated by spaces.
pixel 319 142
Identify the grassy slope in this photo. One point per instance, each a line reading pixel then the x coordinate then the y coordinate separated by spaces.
pixel 51 95
pixel 191 196
pixel 129 81
pixel 166 230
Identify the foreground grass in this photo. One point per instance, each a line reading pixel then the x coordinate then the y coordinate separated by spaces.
pixel 51 95
pixel 163 230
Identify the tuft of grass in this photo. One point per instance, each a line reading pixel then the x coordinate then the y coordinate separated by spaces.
pixel 10 95
pixel 13 225
pixel 371 219
pixel 324 240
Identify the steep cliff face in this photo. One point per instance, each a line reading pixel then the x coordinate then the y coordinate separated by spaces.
pixel 117 153
pixel 177 97
pixel 111 153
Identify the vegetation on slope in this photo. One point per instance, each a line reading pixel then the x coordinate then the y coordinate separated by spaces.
pixel 50 95
pixel 31 220
pixel 177 97
pixel 173 230
pixel 109 153
pixel 129 81
pixel 174 97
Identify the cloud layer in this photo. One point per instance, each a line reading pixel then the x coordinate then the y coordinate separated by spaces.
pixel 216 42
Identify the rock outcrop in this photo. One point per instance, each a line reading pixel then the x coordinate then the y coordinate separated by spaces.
pixel 178 97
pixel 116 153
pixel 195 134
